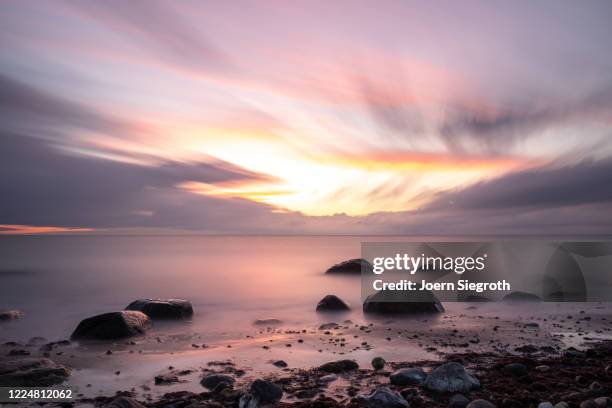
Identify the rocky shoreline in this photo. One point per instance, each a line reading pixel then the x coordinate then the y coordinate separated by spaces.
pixel 481 356
pixel 570 378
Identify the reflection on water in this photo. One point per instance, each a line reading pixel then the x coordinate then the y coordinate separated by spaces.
pixel 230 280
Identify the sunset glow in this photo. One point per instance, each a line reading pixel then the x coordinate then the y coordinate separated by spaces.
pixel 30 230
pixel 273 111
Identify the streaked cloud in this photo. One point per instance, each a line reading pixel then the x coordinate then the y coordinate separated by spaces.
pixel 313 117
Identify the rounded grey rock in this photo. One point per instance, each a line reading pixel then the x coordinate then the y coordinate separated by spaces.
pixel 451 377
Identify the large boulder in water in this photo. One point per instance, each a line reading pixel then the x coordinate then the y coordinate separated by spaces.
pixel 402 302
pixel 350 267
pixel 113 325
pixel 32 372
pixel 451 377
pixel 332 303
pixel 163 308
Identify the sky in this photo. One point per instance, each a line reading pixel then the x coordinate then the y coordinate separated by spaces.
pixel 306 117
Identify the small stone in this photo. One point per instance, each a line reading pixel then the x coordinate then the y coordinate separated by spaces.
pixel 545 405
pixel 339 366
pixel 595 386
pixel 458 401
pixel 378 363
pixel 267 322
pixel 385 398
pixel 542 368
pixel 588 404
pixel 561 404
pixel 11 314
pixel 603 402
pixel 166 379
pixel 352 266
pixel 332 303
pixel 212 380
pixel 329 326
pixel 280 363
pixel 480 403
pixel 32 372
pixel 18 352
pixel 328 378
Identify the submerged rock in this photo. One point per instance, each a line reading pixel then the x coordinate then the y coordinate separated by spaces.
pixel 125 402
pixel 163 308
pixel 521 297
pixel 339 366
pixel 329 326
pixel 408 376
pixel 385 398
pixel 166 379
pixel 113 325
pixel 351 267
pixel 332 303
pixel 211 381
pixel 451 377
pixel 422 301
pixel 32 372
pixel 11 314
pixel 267 322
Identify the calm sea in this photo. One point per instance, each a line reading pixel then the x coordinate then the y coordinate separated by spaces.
pixel 231 280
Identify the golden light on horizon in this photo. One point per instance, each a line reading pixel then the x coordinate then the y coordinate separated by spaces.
pixel 328 184
pixel 18 229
